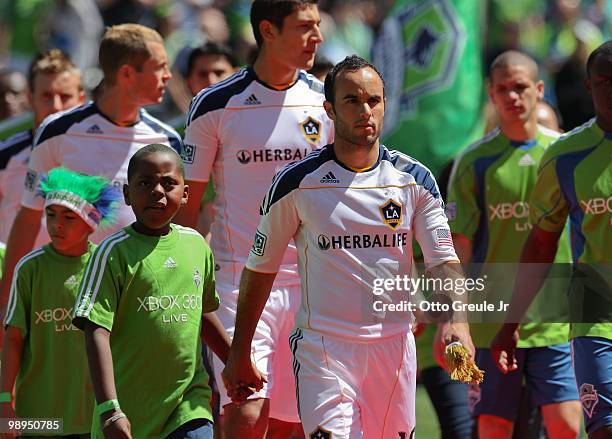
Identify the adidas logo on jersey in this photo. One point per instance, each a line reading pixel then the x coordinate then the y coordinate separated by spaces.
pixel 252 100
pixel 526 160
pixel 330 178
pixel 94 129
pixel 170 263
pixel 71 281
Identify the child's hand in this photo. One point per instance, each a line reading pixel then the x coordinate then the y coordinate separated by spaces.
pixel 120 429
pixel 240 385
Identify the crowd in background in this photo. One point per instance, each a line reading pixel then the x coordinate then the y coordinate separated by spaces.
pixel 559 34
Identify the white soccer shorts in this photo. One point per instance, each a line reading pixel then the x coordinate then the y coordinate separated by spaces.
pixel 270 347
pixel 349 390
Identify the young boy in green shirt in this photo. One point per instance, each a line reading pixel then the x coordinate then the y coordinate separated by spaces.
pixel 44 356
pixel 148 293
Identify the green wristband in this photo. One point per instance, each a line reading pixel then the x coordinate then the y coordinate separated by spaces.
pixel 111 404
pixel 6 397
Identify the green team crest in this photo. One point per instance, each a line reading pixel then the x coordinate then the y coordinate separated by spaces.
pixel 418 50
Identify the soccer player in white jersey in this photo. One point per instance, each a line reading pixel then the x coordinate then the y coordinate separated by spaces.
pixel 98 138
pixel 55 85
pixel 242 131
pixel 352 209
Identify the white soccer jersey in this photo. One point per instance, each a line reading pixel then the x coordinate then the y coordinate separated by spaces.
pixel 351 228
pixel 244 132
pixel 84 140
pixel 14 154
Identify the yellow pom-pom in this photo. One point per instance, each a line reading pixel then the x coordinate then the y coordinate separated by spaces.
pixel 461 366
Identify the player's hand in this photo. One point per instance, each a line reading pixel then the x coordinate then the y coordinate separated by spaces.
pixel 503 348
pixel 7 412
pixel 241 379
pixel 459 332
pixel 120 429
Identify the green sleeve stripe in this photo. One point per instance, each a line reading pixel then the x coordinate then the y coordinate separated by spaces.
pixel 97 272
pixel 13 294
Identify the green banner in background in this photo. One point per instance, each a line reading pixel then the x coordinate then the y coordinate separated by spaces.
pixel 429 53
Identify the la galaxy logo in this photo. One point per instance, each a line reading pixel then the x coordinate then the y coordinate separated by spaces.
pixel 391 213
pixel 588 398
pixel 430 40
pixel 311 130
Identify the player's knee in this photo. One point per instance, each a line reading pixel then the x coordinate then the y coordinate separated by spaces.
pixel 562 420
pixel 494 427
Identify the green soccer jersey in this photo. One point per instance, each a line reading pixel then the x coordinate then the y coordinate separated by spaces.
pixel 150 293
pixel 575 182
pixel 53 380
pixel 488 203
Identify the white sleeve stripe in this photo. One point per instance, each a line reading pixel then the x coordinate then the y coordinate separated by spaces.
pixel 13 294
pixel 87 295
pixel 101 272
pixel 198 99
pixel 269 196
pixel 91 262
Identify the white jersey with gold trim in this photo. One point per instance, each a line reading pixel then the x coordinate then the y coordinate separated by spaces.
pixel 350 229
pixel 243 132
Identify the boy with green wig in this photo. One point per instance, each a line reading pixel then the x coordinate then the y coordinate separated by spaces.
pixel 44 358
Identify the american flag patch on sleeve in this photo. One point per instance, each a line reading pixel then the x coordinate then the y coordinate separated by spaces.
pixel 443 238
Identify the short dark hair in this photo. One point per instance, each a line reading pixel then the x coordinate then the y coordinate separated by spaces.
pixel 515 58
pixel 604 50
pixel 210 48
pixel 153 148
pixel 275 11
pixel 351 63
